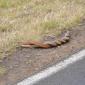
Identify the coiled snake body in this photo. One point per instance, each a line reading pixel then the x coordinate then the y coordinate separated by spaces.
pixel 47 44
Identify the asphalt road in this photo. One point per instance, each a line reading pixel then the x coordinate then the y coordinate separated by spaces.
pixel 74 74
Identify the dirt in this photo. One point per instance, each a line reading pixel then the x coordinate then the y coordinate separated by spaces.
pixel 26 62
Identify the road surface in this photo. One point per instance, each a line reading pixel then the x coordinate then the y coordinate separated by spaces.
pixel 68 72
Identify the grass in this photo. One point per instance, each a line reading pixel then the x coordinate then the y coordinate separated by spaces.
pixel 12 3
pixel 30 19
pixel 2 70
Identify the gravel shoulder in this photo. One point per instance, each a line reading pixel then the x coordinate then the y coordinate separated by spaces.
pixel 26 62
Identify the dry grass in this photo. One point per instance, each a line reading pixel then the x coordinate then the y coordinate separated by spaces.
pixel 29 19
pixel 2 70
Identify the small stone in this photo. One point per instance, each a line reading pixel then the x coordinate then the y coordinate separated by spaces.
pixel 58 42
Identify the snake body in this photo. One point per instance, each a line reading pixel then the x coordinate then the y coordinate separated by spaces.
pixel 47 44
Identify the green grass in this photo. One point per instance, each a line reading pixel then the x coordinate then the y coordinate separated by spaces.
pixel 12 3
pixel 30 19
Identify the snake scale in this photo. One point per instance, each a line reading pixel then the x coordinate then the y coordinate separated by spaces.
pixel 48 44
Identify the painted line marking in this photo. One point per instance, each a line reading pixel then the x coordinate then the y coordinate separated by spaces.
pixel 52 70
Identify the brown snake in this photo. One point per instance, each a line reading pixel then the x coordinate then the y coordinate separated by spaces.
pixel 39 44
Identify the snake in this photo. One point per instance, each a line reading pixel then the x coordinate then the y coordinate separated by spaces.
pixel 48 44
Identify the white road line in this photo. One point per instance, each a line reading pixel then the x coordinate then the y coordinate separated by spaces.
pixel 51 70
